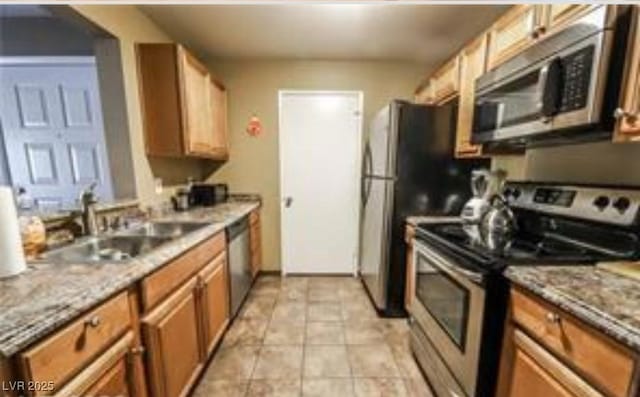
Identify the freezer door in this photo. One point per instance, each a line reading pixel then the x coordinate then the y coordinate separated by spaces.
pixel 376 237
pixel 382 143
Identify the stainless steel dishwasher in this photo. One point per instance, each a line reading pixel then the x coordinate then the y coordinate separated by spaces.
pixel 239 262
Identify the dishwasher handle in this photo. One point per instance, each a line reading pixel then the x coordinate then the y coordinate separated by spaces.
pixel 237 228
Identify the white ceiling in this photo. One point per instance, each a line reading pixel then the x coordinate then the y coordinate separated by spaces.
pixel 428 34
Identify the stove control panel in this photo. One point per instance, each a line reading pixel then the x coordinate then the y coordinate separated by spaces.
pixel 607 205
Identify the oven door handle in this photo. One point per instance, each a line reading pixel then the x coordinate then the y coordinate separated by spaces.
pixel 477 278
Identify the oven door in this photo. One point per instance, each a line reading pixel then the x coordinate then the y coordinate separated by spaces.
pixel 448 307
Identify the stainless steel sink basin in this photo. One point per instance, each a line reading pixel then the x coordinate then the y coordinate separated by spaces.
pixel 106 249
pixel 166 229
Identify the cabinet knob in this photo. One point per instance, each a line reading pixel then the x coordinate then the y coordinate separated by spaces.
pixel 93 321
pixel 136 351
pixel 538 31
pixel 553 318
pixel 620 113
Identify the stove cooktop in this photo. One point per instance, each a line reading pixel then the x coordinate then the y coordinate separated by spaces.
pixel 524 249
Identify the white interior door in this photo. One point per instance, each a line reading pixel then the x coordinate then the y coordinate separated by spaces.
pixel 320 152
pixel 53 131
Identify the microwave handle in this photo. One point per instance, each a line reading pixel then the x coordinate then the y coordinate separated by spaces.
pixel 542 82
pixel 550 87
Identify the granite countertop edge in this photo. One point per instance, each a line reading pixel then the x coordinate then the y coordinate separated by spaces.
pixel 16 335
pixel 618 329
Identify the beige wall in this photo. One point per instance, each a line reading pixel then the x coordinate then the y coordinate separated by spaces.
pixel 130 26
pixel 253 89
pixel 592 163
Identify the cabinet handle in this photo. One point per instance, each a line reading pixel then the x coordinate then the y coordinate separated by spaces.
pixel 538 31
pixel 553 318
pixel 620 113
pixel 93 321
pixel 137 351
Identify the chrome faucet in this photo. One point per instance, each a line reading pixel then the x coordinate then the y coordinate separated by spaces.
pixel 88 201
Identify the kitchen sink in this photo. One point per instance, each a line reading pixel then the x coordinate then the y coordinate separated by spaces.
pixel 106 249
pixel 166 229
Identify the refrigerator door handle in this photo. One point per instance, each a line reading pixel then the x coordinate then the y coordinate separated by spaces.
pixel 367 166
pixel 368 191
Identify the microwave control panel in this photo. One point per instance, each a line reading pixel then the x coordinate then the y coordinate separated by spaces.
pixel 577 76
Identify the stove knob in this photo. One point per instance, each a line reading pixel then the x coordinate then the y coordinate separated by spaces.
pixel 622 204
pixel 508 192
pixel 601 202
pixel 516 193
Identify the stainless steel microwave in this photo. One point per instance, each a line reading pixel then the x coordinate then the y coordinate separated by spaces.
pixel 562 89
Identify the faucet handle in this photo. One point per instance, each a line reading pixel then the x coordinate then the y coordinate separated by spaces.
pixel 88 195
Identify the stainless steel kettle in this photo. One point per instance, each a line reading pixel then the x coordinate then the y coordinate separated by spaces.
pixel 484 185
pixel 498 225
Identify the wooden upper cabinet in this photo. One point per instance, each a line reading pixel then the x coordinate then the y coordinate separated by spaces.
pixel 628 114
pixel 558 15
pixel 424 93
pixel 172 336
pixel 178 103
pixel 196 104
pixel 513 32
pixel 219 138
pixel 472 66
pixel 446 81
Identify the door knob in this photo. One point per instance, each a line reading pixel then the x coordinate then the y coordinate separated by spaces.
pixel 287 201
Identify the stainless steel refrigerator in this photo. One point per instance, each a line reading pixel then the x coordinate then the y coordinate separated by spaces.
pixel 408 169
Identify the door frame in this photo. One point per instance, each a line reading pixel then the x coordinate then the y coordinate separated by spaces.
pixel 359 95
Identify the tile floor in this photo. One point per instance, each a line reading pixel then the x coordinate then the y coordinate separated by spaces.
pixel 312 336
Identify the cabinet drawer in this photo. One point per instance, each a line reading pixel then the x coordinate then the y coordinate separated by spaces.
pixel 608 365
pixel 161 283
pixel 68 351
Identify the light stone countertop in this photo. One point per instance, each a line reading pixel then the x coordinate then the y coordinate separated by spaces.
pixel 47 295
pixel 607 301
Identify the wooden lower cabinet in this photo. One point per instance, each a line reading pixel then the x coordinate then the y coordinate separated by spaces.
pixel 410 282
pixel 548 352
pixel 172 338
pixel 214 300
pixel 110 375
pixel 531 380
pixel 255 231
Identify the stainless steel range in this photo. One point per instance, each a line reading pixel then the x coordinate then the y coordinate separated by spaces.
pixel 459 308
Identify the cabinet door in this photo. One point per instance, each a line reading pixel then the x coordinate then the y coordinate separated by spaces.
pixel 219 140
pixel 172 337
pixel 196 104
pixel 513 32
pixel 558 15
pixel 531 380
pixel 628 127
pixel 215 302
pixel 113 383
pixel 472 66
pixel 533 371
pixel 410 289
pixel 446 80
pixel 256 245
pixel 111 374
